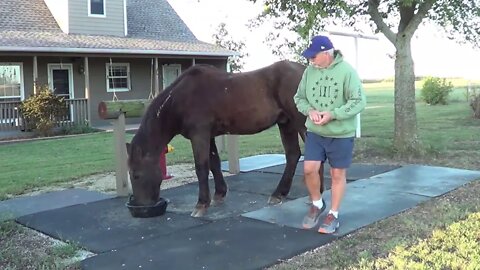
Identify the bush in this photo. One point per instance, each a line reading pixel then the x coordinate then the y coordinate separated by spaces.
pixel 475 104
pixel 80 129
pixel 42 109
pixel 436 90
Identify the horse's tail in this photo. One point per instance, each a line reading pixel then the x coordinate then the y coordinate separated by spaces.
pixel 302 130
pixel 302 135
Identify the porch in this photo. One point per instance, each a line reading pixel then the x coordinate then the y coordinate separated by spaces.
pixel 12 120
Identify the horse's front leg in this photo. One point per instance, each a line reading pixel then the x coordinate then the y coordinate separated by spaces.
pixel 201 149
pixel 215 168
pixel 291 145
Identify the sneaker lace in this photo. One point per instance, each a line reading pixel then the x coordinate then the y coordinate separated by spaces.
pixel 330 218
pixel 313 210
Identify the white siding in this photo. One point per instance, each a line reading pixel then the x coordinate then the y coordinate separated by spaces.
pixel 59 10
pixel 112 24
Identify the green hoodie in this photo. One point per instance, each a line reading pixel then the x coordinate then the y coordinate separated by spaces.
pixel 337 89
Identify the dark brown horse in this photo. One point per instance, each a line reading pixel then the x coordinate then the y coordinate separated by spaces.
pixel 205 102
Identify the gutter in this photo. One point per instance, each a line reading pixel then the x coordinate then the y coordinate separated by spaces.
pixel 113 51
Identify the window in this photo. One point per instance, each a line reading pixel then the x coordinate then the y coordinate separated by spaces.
pixel 118 77
pixel 96 7
pixel 11 81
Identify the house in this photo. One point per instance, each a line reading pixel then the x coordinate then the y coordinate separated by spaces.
pixel 93 50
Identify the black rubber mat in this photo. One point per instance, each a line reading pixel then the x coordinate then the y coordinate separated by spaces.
pixel 234 243
pixel 423 180
pixel 105 225
pixel 265 183
pixel 21 206
pixel 244 233
pixel 183 199
pixel 355 172
pixel 362 205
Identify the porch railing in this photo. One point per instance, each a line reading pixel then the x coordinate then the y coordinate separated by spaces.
pixel 11 117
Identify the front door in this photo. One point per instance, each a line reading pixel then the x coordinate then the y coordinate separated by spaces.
pixel 170 74
pixel 60 81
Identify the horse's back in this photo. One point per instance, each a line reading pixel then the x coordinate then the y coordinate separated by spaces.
pixel 238 103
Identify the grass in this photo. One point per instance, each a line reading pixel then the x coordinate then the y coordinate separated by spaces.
pixel 29 165
pixel 448 133
pixel 375 246
pixel 54 256
pixel 49 162
pixel 455 247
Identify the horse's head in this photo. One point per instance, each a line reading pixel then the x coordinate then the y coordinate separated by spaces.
pixel 145 175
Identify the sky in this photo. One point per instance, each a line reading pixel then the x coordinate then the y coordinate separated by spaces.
pixel 433 53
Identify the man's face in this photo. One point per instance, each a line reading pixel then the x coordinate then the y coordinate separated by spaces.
pixel 321 60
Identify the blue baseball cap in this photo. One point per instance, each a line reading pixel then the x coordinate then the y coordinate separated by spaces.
pixel 318 44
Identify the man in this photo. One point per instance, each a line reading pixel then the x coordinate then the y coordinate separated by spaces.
pixel 330 94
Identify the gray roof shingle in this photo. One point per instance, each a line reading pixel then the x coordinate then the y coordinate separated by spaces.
pixel 153 28
pixel 156 19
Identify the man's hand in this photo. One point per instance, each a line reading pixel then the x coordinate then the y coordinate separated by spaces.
pixel 325 117
pixel 315 116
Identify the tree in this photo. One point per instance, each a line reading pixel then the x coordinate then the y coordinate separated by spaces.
pixel 397 20
pixel 223 39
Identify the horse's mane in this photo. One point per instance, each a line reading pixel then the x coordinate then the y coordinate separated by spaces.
pixel 161 99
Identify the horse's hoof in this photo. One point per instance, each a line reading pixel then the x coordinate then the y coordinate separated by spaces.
pixel 218 200
pixel 199 212
pixel 274 200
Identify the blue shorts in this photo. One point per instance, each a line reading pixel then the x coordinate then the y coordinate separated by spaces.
pixel 338 151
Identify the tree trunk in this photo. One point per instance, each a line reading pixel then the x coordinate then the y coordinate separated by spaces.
pixel 131 108
pixel 406 138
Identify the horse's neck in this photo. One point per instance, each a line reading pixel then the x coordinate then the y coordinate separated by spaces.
pixel 157 132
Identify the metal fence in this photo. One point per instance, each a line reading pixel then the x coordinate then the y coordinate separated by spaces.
pixel 11 117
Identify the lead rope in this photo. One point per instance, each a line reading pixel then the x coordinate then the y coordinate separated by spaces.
pixel 151 95
pixel 163 103
pixel 110 71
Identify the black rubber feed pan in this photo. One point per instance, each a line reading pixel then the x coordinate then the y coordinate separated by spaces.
pixel 147 211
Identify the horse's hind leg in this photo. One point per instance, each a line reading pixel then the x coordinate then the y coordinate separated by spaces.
pixel 291 145
pixel 215 168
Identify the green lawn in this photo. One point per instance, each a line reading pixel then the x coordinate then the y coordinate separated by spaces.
pixel 449 134
pixel 47 162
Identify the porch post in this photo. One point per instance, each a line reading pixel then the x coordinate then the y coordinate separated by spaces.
pixel 35 74
pixel 121 171
pixel 157 82
pixel 87 90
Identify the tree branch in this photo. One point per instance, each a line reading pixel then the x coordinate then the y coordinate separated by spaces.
pixel 406 15
pixel 419 16
pixel 378 20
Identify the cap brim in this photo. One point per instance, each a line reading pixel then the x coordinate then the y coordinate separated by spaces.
pixel 309 53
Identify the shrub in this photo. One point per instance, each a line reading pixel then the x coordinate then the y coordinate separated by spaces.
pixel 42 109
pixel 473 97
pixel 77 129
pixel 475 104
pixel 436 90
